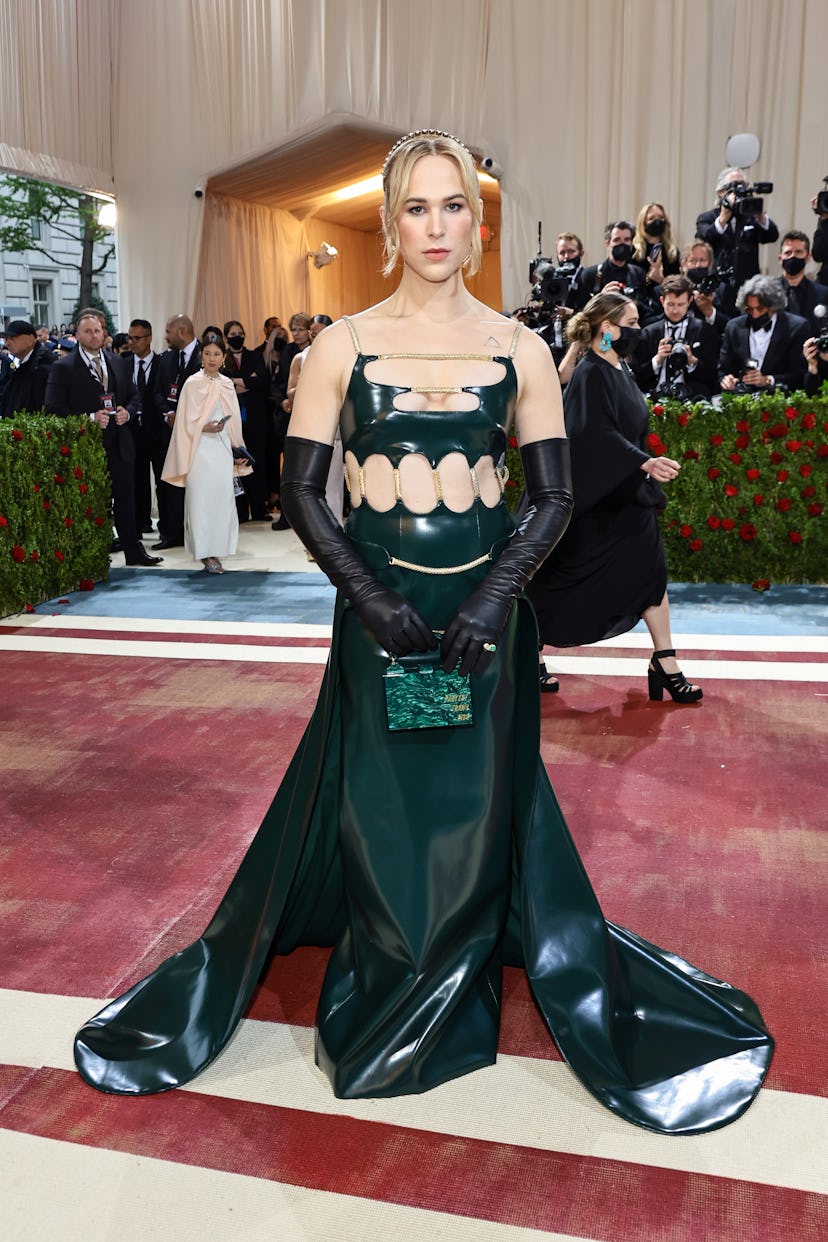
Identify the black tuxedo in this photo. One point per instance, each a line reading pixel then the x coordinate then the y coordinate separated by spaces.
pixel 819 252
pixel 591 280
pixel 783 360
pixel 741 253
pixel 803 299
pixel 256 421
pixel 73 389
pixel 169 379
pixel 142 431
pixel 25 388
pixel 701 383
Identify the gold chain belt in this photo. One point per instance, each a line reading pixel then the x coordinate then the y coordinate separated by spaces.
pixel 447 569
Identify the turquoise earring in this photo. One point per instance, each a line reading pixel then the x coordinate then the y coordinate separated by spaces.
pixel 606 343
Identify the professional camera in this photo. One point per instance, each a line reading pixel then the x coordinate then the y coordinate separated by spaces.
pixel 746 198
pixel 709 283
pixel 550 284
pixel 822 199
pixel 822 342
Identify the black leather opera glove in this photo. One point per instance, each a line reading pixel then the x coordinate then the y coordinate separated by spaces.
pixel 395 623
pixel 471 637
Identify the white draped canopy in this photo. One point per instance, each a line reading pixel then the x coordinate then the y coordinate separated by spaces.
pixel 592 107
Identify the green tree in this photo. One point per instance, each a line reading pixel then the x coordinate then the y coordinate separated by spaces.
pixel 27 205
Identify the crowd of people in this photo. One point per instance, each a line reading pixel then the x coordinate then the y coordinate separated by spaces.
pixel 144 402
pixel 711 323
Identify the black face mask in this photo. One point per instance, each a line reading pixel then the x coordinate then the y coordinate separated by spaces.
pixel 236 341
pixel 762 321
pixel 627 341
pixel 621 252
pixel 655 228
pixel 697 274
pixel 794 266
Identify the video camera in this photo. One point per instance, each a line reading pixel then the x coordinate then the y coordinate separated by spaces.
pixel 745 199
pixel 551 283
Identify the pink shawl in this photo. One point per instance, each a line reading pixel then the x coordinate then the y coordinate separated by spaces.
pixel 196 406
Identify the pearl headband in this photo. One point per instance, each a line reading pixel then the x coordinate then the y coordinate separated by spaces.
pixel 421 133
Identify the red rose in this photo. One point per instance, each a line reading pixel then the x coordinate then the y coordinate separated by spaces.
pixel 758 499
pixel 35 487
pixel 18 553
pixel 793 446
pixel 761 584
pixel 48 435
pixel 99 521
pixel 46 505
pixel 808 421
pixel 753 475
pixel 809 444
pixel 728 523
pixel 791 413
pixel 88 513
pixel 713 522
pixel 730 490
pixel 742 441
pixel 86 584
pixel 654 443
pixel 695 545
pixel 65 450
pixel 805 471
pixel 814 510
pixel 776 458
pixel 781 476
pixel 810 490
pixel 59 555
pixel 30 608
pixel 68 522
pixel 17 435
pixel 713 473
pixel 77 472
pixel 58 478
pixel 743 425
pixel 716 440
pixel 765 416
pixel 83 488
pixel 735 458
pixel 747 532
pixel 691 455
pixel 35 556
pixel 3 521
pixel 794 536
pixel 783 504
pixel 658 409
pixel 683 420
pixel 822 451
pixel 511 482
pixel 778 430
pixel 513 442
pixel 686 532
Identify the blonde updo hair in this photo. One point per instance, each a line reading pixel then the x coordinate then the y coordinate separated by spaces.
pixel 583 326
pixel 395 181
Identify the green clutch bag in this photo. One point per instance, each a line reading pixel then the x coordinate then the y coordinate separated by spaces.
pixel 420 695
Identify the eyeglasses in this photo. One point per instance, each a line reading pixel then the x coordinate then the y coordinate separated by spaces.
pixel 137 336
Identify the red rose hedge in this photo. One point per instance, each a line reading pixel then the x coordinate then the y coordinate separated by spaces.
pixel 782 535
pixel 52 537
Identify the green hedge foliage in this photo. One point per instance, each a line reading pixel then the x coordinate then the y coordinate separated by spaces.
pixel 55 528
pixel 750 502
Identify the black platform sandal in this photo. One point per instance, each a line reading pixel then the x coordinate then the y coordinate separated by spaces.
pixel 676 684
pixel 548 683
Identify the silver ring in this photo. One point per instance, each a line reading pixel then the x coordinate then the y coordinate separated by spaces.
pixel 490 647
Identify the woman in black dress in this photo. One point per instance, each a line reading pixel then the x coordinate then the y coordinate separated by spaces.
pixel 609 570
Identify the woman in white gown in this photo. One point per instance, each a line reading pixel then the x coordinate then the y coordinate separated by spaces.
pixel 207 428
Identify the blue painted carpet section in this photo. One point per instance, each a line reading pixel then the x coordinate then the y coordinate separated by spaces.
pixel 308 598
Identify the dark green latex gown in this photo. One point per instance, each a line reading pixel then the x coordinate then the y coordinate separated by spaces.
pixel 428 858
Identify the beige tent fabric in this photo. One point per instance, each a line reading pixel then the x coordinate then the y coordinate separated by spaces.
pixel 592 107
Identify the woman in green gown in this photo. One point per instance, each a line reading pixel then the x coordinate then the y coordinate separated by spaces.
pixel 429 856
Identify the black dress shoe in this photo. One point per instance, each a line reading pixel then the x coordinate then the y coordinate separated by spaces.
pixel 149 529
pixel 116 546
pixel 143 558
pixel 282 524
pixel 167 543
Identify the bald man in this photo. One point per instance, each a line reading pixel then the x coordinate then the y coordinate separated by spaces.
pixel 179 361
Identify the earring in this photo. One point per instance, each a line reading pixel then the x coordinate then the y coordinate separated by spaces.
pixel 605 344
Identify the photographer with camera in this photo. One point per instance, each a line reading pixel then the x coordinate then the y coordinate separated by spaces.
pixel 736 227
pixel 815 352
pixel 805 297
pixel 819 203
pixel 677 355
pixel 708 290
pixel 762 348
pixel 552 298
pixel 617 273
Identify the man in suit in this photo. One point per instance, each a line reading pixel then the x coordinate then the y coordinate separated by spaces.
pixel 677 355
pixel 696 263
pixel 25 388
pixel 94 381
pixel 144 362
pixel 762 348
pixel 734 236
pixel 804 295
pixel 251 380
pixel 181 360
